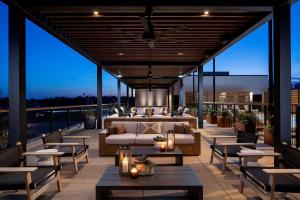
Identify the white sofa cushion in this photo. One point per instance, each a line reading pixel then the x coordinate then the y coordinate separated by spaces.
pixel 158 110
pixel 140 111
pixel 145 138
pixel 149 128
pixel 170 125
pixel 184 139
pixel 125 138
pixel 131 127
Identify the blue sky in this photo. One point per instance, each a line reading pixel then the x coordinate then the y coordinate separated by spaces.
pixel 54 69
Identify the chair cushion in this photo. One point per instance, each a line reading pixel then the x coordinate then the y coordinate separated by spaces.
pixel 284 182
pixel 244 137
pixel 53 138
pixel 149 127
pixel 184 139
pixel 140 111
pixel 15 180
pixel 158 110
pixel 126 138
pixel 68 150
pixel 179 128
pixel 146 138
pixel 231 150
pixel 131 127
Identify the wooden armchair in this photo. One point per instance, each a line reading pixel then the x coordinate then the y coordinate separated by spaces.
pixel 269 180
pixel 76 150
pixel 222 151
pixel 35 180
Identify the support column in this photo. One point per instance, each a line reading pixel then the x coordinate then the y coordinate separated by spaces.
pixel 193 102
pixel 282 75
pixel 200 97
pixel 214 83
pixel 168 99
pixel 17 78
pixel 127 96
pixel 172 94
pixel 99 97
pixel 270 59
pixel 181 92
pixel 119 93
pixel 131 92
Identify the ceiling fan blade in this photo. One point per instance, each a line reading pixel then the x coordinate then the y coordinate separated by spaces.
pixel 127 41
pixel 151 44
pixel 170 40
pixel 126 32
pixel 170 31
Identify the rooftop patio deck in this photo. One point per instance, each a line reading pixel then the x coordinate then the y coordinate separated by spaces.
pixel 82 185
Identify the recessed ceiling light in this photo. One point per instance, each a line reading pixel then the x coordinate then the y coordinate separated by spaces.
pixel 119 75
pixel 180 76
pixel 180 54
pixel 206 12
pixel 121 54
pixel 96 13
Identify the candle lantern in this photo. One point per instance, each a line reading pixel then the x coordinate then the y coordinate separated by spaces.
pixel 170 140
pixel 124 160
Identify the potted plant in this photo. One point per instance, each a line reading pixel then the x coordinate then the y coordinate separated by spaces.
pixel 245 123
pixel 193 111
pixel 90 120
pixel 144 166
pixel 212 116
pixel 269 132
pixel 158 141
pixel 223 119
pixel 205 111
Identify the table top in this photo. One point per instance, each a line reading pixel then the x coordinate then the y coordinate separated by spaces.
pixel 166 177
pixel 151 151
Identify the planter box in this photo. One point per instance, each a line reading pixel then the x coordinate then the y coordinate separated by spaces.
pixel 205 116
pixel 212 119
pixel 144 170
pixel 90 122
pixel 268 136
pixel 239 126
pixel 223 122
pixel 193 114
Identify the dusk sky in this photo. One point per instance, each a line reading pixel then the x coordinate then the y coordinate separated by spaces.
pixel 54 69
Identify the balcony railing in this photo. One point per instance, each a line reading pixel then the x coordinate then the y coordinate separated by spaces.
pixel 49 119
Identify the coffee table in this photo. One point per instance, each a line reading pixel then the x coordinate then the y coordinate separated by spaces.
pixel 165 178
pixel 151 152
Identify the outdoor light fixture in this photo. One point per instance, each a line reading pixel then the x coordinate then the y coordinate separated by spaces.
pixel 121 54
pixel 119 75
pixel 180 54
pixel 180 76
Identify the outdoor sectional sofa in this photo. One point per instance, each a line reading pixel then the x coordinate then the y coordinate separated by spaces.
pixel 142 134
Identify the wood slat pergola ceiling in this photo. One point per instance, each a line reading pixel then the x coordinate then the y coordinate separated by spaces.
pixel 114 36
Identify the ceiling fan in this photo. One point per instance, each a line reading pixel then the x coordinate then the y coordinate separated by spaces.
pixel 149 35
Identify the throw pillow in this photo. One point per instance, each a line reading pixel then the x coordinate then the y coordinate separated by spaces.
pixel 119 129
pixel 111 130
pixel 187 129
pixel 150 127
pixel 179 128
pixel 140 111
pixel 158 111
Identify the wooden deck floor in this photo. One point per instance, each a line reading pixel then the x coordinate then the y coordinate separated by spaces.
pixel 82 185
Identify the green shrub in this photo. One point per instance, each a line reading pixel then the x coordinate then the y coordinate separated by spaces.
pixel 246 118
pixel 223 113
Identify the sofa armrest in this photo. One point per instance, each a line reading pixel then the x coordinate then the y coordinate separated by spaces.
pixel 17 169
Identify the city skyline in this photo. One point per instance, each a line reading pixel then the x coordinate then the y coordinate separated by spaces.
pixel 54 69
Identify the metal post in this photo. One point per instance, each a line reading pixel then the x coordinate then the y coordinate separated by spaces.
pixel 282 75
pixel 181 92
pixel 200 97
pixel 214 83
pixel 172 94
pixel 168 98
pixel 51 121
pixel 119 93
pixel 69 118
pixel 17 78
pixel 99 97
pixel 127 96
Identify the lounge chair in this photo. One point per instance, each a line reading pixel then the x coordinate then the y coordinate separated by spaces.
pixel 222 151
pixel 14 175
pixel 71 149
pixel 269 180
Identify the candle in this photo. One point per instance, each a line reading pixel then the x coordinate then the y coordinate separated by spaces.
pixel 134 173
pixel 162 148
pixel 170 144
pixel 125 165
